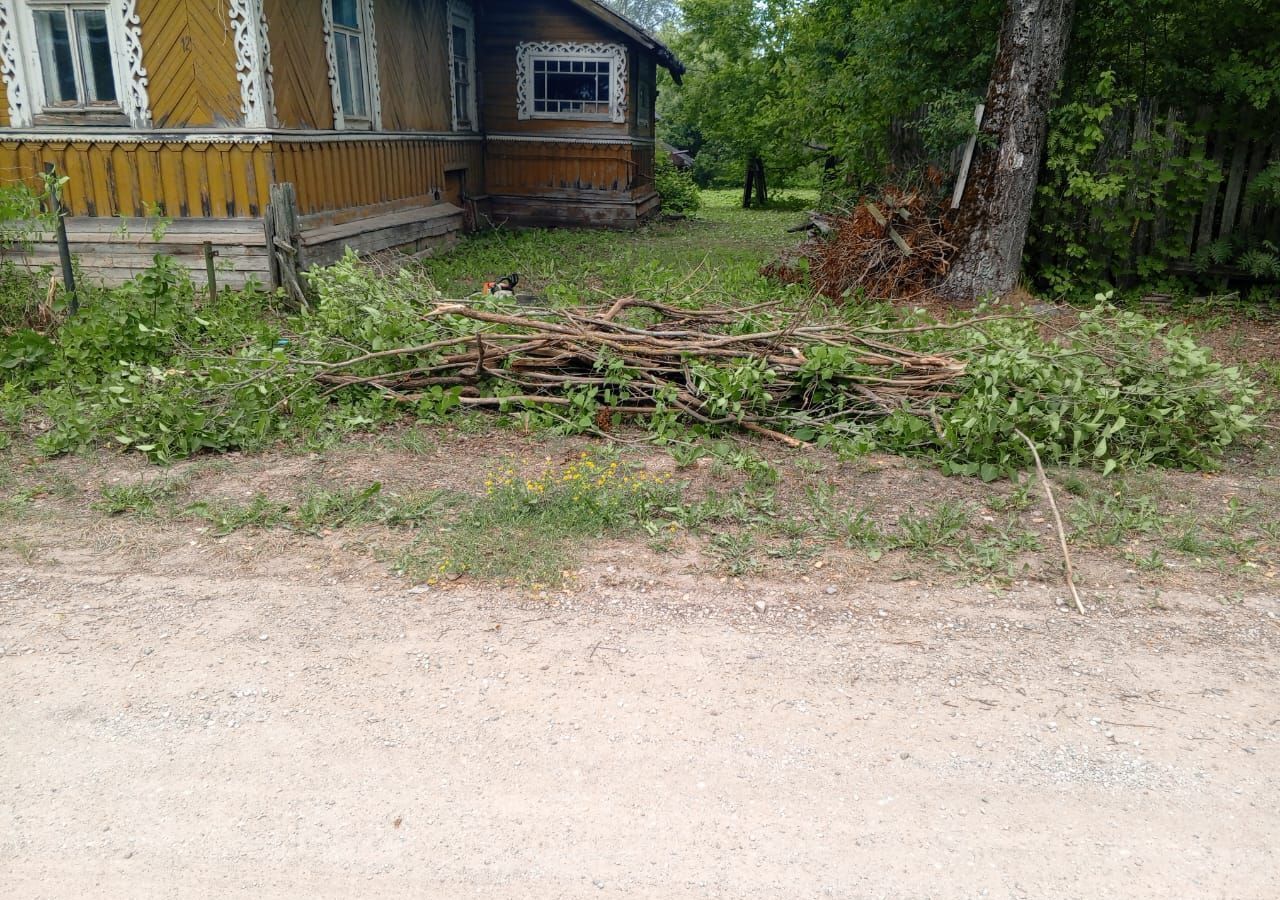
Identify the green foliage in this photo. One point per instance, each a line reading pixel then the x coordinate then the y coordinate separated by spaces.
pixel 1259 259
pixel 1091 203
pixel 153 368
pixel 801 83
pixel 21 212
pixel 227 516
pixel 1118 391
pixel 679 193
pixel 323 509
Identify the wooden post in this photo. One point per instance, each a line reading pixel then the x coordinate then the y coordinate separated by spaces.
pixel 209 254
pixel 284 242
pixel 64 248
pixel 972 144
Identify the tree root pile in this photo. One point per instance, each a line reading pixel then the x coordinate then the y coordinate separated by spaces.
pixel 747 367
pixel 891 248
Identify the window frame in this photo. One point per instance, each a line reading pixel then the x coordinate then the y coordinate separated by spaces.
pixel 614 54
pixel 461 16
pixel 129 77
pixel 342 120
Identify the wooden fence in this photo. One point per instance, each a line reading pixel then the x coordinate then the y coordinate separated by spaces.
pixel 1238 152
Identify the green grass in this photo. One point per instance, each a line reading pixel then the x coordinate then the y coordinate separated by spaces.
pixel 227 516
pixel 531 529
pixel 925 532
pixel 714 257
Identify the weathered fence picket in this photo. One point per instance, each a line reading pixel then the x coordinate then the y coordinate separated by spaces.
pixel 1239 153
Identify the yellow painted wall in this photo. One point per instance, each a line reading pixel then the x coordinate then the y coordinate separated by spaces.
pixel 301 73
pixel 128 178
pixel 187 47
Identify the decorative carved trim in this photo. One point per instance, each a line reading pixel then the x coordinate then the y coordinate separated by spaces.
pixel 615 53
pixel 137 102
pixel 331 57
pixel 11 67
pixel 253 66
pixel 371 66
pixel 268 70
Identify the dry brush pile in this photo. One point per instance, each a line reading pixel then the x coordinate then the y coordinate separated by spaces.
pixel 747 367
pixel 894 247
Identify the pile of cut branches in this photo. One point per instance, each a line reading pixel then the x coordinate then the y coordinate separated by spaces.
pixel 746 367
pixel 890 248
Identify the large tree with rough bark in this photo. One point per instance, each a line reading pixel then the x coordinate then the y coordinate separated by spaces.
pixel 995 209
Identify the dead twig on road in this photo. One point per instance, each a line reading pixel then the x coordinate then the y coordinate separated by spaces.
pixel 1057 520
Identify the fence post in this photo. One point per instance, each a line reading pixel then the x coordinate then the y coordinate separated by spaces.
pixel 209 254
pixel 284 237
pixel 59 213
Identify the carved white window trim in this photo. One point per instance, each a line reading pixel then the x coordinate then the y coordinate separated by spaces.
pixel 460 14
pixel 616 54
pixel 370 61
pixel 253 63
pixel 11 67
pixel 20 61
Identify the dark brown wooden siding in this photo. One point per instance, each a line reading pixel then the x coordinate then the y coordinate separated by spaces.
pixel 559 170
pixel 503 25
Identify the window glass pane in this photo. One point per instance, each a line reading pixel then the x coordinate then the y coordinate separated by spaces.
pixel 359 105
pixel 56 64
pixel 344 71
pixel 574 87
pixel 95 56
pixel 569 86
pixel 345 13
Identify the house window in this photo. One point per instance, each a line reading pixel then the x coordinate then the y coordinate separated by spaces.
pixel 76 66
pixel 73 61
pixel 350 59
pixel 572 81
pixel 462 74
pixel 352 50
pixel 575 87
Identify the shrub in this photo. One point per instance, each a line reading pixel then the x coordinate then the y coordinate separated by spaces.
pixel 679 193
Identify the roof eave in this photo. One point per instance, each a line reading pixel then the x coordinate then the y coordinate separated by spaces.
pixel 625 26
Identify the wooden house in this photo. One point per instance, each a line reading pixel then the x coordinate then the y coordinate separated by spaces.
pixel 283 131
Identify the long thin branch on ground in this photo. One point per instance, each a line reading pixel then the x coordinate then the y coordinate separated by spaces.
pixel 1057 519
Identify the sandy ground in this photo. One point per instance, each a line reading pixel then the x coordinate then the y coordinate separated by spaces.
pixel 196 733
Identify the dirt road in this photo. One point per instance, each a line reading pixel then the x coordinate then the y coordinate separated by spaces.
pixel 192 734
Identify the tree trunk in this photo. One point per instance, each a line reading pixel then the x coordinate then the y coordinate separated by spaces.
pixel 750 182
pixel 762 186
pixel 995 208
